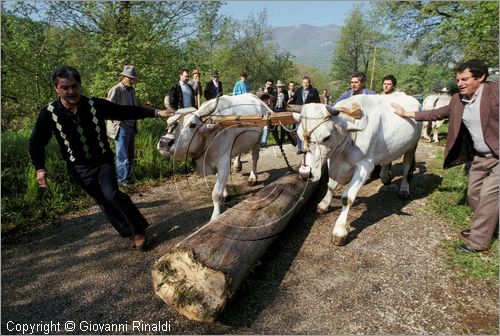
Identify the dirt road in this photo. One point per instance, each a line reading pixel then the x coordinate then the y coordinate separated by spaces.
pixel 390 278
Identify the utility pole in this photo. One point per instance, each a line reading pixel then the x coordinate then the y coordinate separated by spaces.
pixel 373 66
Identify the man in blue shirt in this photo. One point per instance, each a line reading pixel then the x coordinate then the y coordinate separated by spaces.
pixel 358 79
pixel 242 86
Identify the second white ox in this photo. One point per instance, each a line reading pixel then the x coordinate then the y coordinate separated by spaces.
pixel 432 102
pixel 352 148
pixel 211 146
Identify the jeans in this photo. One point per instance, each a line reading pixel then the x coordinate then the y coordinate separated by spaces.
pixel 263 139
pixel 125 143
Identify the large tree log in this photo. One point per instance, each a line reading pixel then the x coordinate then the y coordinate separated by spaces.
pixel 204 270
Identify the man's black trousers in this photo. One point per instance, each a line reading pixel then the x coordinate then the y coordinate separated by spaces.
pixel 100 182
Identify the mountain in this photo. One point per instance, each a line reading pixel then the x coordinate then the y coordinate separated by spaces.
pixel 309 44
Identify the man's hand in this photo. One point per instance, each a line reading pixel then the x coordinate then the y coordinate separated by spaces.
pixel 166 113
pixel 41 178
pixel 400 111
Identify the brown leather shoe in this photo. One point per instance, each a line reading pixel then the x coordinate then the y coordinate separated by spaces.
pixel 140 242
pixel 465 233
pixel 131 241
pixel 467 249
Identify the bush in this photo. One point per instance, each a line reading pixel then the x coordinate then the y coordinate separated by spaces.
pixel 24 204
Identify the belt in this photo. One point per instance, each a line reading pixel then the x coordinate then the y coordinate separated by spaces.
pixel 486 155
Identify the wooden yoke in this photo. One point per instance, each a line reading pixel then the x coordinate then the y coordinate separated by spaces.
pixel 277 118
pixel 251 120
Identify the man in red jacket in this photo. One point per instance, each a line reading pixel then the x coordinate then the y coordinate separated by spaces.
pixel 472 135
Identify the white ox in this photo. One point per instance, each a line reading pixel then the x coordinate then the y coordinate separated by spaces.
pixel 351 148
pixel 211 146
pixel 432 102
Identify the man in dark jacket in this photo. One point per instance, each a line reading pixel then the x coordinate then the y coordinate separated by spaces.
pixel 214 87
pixel 305 95
pixel 78 123
pixel 182 95
pixel 472 135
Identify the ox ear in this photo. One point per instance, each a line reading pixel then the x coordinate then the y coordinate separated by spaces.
pixel 297 116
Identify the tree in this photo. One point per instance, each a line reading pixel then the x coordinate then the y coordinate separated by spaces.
pixel 355 48
pixel 444 32
pixel 145 34
pixel 29 51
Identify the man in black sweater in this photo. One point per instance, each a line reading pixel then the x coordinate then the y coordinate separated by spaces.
pixel 78 123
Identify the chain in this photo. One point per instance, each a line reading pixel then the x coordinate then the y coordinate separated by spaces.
pixel 280 143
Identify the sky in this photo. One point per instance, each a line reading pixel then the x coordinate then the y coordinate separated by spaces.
pixel 291 13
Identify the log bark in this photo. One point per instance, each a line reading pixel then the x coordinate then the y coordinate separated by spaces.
pixel 204 270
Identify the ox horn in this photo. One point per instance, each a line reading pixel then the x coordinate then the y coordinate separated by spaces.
pixel 353 112
pixel 332 110
pixel 209 108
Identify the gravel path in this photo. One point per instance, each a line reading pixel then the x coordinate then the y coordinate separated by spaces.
pixel 391 277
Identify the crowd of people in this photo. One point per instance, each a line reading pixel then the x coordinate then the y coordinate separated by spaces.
pixel 81 126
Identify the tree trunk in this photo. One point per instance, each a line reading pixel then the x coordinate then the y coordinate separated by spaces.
pixel 204 270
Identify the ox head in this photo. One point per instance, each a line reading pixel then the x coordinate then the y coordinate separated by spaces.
pixel 186 132
pixel 324 131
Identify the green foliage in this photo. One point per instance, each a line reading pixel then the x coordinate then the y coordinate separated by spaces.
pixel 450 202
pixel 444 32
pixel 24 204
pixel 356 48
pixel 233 46
pixel 419 78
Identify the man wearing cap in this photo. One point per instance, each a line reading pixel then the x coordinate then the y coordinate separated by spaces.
pixel 242 86
pixel 195 84
pixel 123 132
pixel 277 100
pixel 214 87
pixel 77 122
pixel 280 97
pixel 182 95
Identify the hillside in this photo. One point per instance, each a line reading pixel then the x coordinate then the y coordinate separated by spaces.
pixel 309 44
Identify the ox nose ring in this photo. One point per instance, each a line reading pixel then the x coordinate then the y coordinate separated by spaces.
pixel 304 172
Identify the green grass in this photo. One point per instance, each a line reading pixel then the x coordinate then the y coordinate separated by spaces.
pixel 450 202
pixel 25 205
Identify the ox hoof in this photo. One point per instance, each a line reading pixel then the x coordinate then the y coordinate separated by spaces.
pixel 251 183
pixel 339 241
pixel 387 181
pixel 404 196
pixel 237 168
pixel 321 211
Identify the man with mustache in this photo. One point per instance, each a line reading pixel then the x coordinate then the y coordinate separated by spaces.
pixel 78 123
pixel 472 135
